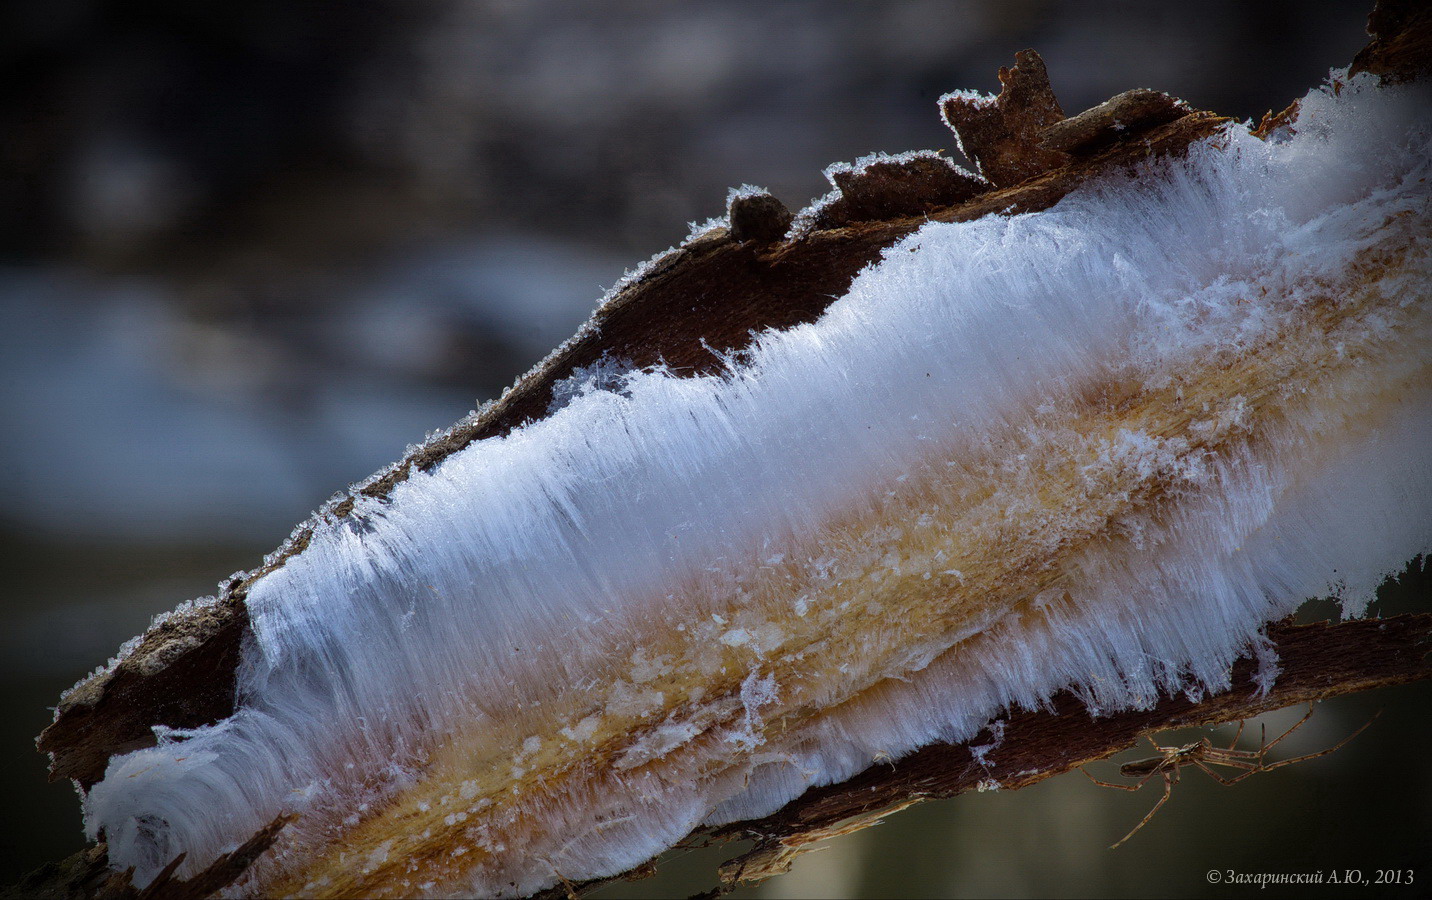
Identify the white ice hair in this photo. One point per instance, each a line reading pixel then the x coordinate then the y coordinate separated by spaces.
pixel 401 619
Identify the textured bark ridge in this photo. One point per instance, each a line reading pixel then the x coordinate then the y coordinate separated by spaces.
pixel 182 674
pixel 688 309
pixel 1401 47
pixel 88 874
pixel 913 184
pixel 1117 118
pixel 757 217
pixel 1001 136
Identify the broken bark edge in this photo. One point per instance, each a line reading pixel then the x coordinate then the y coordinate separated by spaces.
pixel 1317 661
pixel 87 874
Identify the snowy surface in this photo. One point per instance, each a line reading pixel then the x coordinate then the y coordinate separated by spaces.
pixel 527 588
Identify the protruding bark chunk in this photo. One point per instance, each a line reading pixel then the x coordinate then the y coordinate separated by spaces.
pixel 889 187
pixel 1275 123
pixel 183 675
pixel 758 216
pixel 1401 47
pixel 1121 116
pixel 1001 135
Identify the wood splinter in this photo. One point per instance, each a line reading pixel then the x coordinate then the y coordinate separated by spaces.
pixel 1117 118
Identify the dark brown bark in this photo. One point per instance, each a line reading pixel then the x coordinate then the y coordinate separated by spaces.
pixel 917 186
pixel 182 675
pixel 757 217
pixel 87 874
pixel 1316 662
pixel 1401 47
pixel 1001 136
pixel 1115 119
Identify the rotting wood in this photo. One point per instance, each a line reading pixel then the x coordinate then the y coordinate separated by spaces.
pixel 1401 46
pixel 1316 662
pixel 757 217
pixel 1001 136
pixel 917 185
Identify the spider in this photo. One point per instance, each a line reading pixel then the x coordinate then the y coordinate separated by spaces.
pixel 1203 753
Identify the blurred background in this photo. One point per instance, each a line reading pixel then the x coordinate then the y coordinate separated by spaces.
pixel 250 251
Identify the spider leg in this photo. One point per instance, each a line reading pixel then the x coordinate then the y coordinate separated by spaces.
pixel 1220 754
pixel 1296 725
pixel 1233 759
pixel 1225 781
pixel 1110 784
pixel 1168 792
pixel 1122 787
pixel 1237 735
pixel 1338 746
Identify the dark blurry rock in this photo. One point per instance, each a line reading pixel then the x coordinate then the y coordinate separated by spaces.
pixel 1118 117
pixel 757 216
pixel 886 187
pixel 1001 135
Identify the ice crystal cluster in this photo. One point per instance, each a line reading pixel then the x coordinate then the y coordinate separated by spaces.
pixel 1094 448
